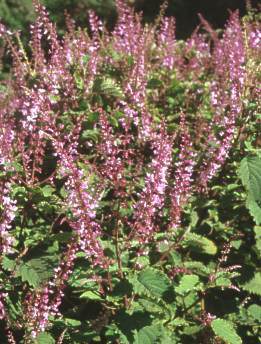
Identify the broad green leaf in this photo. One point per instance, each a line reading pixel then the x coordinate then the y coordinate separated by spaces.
pixel 199 267
pixel 28 274
pixel 223 282
pixel 48 190
pixel 188 283
pixel 90 295
pixel 149 335
pixel 154 281
pixel 151 306
pixel 250 174
pixel 8 264
pixel 37 270
pixel 254 209
pixel 72 322
pixel 44 338
pixel 64 237
pixel 191 330
pixel 255 312
pixel 253 286
pixel 224 330
pixel 108 87
pixel 200 244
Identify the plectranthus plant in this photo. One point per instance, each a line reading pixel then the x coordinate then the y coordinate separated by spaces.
pixel 130 182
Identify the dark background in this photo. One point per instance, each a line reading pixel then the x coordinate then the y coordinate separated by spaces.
pixel 17 14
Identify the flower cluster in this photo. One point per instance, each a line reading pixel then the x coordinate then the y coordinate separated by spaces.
pixel 151 199
pixel 181 190
pixel 229 58
pixel 45 302
pixel 93 130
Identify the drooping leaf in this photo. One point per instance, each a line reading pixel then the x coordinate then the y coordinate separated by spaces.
pixel 224 330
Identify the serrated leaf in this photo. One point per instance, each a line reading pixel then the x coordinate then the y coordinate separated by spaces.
pixel 8 264
pixel 223 282
pixel 253 286
pixel 138 288
pixel 191 330
pixel 47 190
pixel 254 209
pixel 200 244
pixel 224 330
pixel 250 174
pixel 255 312
pixel 90 134
pixel 150 306
pixel 44 338
pixel 148 335
pixel 28 274
pixel 187 283
pixel 199 267
pixel 107 87
pixel 37 270
pixel 154 281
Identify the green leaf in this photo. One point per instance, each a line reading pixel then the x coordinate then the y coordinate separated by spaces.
pixel 90 134
pixel 90 295
pixel 72 322
pixel 200 244
pixel 224 330
pixel 64 237
pixel 250 174
pixel 8 264
pixel 148 335
pixel 253 286
pixel 154 281
pixel 150 306
pixel 154 83
pixel 37 270
pixel 28 274
pixel 254 209
pixel 199 267
pixel 108 87
pixel 44 338
pixel 255 312
pixel 188 283
pixel 47 190
pixel 223 282
pixel 257 230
